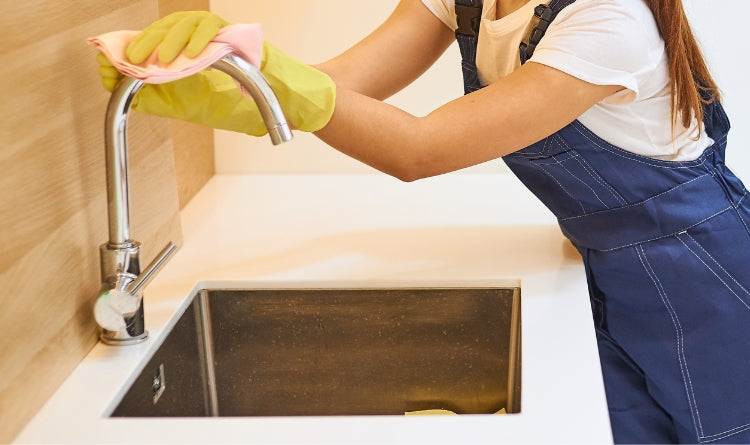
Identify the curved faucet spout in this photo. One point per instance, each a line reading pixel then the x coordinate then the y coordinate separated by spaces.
pixel 254 83
pixel 120 256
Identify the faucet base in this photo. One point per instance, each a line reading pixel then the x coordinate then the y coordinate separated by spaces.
pixel 114 339
pixel 133 331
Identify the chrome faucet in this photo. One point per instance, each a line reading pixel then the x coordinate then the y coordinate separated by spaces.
pixel 119 308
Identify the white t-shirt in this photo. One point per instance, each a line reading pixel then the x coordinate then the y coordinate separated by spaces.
pixel 604 42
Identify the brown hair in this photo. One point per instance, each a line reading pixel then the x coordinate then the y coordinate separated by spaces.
pixel 690 79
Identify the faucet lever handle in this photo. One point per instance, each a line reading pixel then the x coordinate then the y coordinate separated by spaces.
pixel 145 276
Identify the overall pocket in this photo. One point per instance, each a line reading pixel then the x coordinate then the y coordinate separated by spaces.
pixel 703 280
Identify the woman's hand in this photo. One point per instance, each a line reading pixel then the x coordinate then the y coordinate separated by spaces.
pixel 110 76
pixel 190 31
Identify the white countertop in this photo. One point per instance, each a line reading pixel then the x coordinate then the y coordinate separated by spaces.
pixel 362 230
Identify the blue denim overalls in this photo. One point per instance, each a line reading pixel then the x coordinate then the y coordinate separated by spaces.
pixel 666 248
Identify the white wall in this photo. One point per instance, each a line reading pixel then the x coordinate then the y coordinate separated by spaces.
pixel 315 30
pixel 720 26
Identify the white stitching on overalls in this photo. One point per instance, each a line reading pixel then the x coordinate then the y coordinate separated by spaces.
pixel 560 185
pixel 526 153
pixel 725 434
pixel 592 172
pixel 612 191
pixel 680 340
pixel 742 198
pixel 739 214
pixel 572 154
pixel 744 303
pixel 555 159
pixel 562 165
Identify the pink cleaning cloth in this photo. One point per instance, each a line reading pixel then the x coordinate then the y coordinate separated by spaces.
pixel 244 40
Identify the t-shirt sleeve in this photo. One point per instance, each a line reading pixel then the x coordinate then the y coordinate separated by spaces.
pixel 604 42
pixel 444 10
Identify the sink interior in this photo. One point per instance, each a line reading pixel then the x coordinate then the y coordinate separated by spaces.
pixel 302 352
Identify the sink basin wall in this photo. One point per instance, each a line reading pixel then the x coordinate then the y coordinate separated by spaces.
pixel 282 352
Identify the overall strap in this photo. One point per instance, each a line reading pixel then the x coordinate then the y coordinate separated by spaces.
pixel 469 17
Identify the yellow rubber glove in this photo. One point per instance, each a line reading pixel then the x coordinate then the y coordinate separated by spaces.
pixel 110 76
pixel 188 30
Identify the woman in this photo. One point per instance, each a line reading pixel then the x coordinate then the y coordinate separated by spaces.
pixel 614 122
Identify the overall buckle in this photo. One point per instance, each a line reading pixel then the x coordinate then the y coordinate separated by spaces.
pixel 543 16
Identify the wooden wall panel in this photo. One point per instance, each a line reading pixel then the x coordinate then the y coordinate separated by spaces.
pixel 52 189
pixel 193 156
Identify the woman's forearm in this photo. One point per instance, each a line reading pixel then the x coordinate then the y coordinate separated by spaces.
pixel 373 132
pixel 497 120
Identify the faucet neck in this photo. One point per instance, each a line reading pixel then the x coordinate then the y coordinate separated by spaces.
pixel 116 152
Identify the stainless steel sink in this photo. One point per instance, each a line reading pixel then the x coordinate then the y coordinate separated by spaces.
pixel 305 352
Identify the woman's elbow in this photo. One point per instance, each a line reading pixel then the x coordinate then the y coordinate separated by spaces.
pixel 407 176
pixel 412 169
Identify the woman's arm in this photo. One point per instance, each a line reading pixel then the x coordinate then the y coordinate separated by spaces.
pixel 525 107
pixel 394 54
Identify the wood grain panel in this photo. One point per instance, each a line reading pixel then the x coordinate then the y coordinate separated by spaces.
pixel 194 158
pixel 52 191
pixel 24 23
